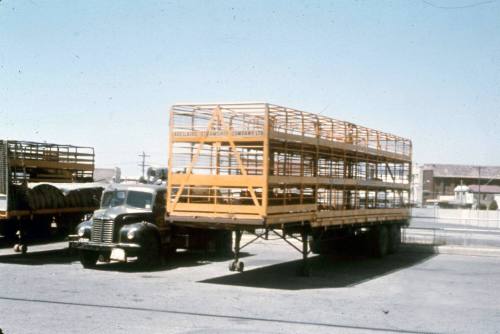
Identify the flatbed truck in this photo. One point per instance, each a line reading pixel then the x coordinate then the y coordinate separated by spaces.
pixel 44 185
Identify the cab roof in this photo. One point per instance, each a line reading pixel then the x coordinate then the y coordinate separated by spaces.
pixel 150 188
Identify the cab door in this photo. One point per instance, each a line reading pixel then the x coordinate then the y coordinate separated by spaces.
pixel 159 209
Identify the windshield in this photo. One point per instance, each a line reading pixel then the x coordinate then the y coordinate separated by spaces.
pixel 112 199
pixel 136 199
pixel 139 199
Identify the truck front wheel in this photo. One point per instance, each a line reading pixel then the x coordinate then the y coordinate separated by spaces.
pixel 88 258
pixel 149 255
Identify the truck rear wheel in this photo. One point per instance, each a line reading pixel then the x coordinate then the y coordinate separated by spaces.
pixel 88 258
pixel 394 238
pixel 224 243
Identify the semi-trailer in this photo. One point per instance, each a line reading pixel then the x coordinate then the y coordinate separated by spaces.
pixel 43 185
pixel 267 169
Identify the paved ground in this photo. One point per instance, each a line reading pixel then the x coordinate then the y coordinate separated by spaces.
pixel 410 292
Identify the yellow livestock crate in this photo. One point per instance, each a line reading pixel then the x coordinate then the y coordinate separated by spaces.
pixel 258 164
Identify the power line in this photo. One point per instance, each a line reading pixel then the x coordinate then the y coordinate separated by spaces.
pixel 475 4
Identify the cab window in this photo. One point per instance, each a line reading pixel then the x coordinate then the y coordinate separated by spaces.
pixel 112 198
pixel 139 199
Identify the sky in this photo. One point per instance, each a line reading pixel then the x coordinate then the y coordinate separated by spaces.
pixel 105 73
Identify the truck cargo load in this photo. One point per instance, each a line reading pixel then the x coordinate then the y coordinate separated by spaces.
pixel 43 184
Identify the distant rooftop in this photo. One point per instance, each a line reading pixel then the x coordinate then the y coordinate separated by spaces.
pixel 485 189
pixel 464 171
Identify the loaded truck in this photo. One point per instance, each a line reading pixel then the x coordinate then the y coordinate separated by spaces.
pixel 266 169
pixel 43 186
pixel 263 169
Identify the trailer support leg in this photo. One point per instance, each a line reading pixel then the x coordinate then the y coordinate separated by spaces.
pixel 237 265
pixel 21 246
pixel 304 269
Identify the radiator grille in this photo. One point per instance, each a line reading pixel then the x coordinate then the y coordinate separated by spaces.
pixel 102 231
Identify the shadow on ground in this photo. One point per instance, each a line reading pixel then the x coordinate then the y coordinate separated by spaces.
pixel 67 256
pixel 179 260
pixel 57 256
pixel 327 271
pixel 10 242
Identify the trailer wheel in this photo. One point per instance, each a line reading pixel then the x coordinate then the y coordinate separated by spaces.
pixel 321 244
pixel 237 266
pixel 380 241
pixel 240 266
pixel 232 266
pixel 88 259
pixel 394 238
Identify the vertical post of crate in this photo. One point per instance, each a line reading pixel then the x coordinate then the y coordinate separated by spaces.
pixel 265 164
pixel 169 172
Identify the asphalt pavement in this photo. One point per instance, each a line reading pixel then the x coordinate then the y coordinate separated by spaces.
pixel 414 291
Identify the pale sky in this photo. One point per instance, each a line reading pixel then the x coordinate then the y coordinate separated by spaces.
pixel 104 73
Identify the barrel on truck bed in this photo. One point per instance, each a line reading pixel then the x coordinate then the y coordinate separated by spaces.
pixel 42 184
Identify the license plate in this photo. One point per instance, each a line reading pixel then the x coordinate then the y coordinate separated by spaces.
pixel 118 254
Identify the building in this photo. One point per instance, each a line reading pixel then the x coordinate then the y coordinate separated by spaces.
pixel 484 195
pixel 416 185
pixel 440 180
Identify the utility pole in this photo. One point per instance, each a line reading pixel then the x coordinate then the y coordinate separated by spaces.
pixel 479 187
pixel 143 164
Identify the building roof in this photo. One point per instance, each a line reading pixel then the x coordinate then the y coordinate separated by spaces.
pixel 464 171
pixel 486 189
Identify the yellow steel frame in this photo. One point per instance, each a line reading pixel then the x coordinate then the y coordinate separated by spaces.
pixel 264 150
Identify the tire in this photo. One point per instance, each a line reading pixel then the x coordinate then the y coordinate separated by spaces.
pixel 380 241
pixel 320 244
pixel 88 259
pixel 149 255
pixel 394 238
pixel 224 243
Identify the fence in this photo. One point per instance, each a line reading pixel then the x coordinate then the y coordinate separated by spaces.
pixel 469 217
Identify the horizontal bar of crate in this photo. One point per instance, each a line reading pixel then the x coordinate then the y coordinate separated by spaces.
pixel 240 118
pixel 257 181
pixel 339 218
pixel 328 219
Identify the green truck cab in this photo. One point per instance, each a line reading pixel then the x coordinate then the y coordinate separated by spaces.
pixel 131 223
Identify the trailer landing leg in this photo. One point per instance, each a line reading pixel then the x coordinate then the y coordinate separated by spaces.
pixel 304 269
pixel 21 246
pixel 237 265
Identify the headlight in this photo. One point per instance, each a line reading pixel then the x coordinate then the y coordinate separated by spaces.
pixel 81 231
pixel 131 233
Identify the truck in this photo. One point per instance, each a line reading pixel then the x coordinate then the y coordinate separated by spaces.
pixel 42 186
pixel 264 169
pixel 261 169
pixel 130 223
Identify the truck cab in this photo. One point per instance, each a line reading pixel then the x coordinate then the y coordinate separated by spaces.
pixel 129 223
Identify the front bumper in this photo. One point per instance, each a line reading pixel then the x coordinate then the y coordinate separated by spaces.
pixel 100 246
